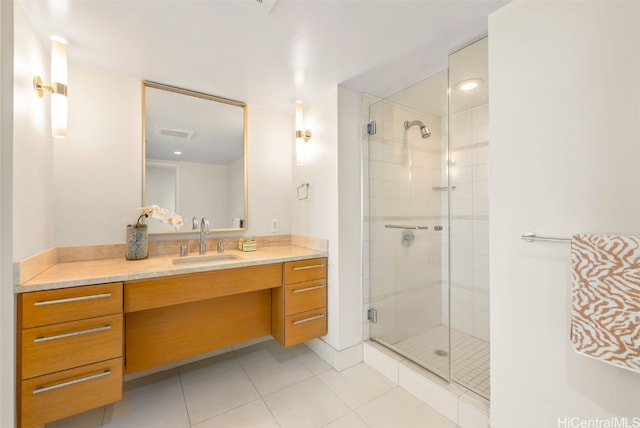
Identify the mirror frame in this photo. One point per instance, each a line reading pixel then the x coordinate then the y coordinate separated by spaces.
pixel 148 84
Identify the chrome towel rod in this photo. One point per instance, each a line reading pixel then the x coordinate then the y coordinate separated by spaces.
pixel 531 237
pixel 399 226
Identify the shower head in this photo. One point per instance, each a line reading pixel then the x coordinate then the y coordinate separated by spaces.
pixel 424 131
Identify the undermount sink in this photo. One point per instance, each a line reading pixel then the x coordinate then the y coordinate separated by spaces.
pixel 206 258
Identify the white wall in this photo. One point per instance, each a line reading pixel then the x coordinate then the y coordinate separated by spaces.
pixel 7 300
pixel 317 216
pixel 333 212
pixel 350 216
pixel 565 158
pixel 269 170
pixel 98 168
pixel 33 198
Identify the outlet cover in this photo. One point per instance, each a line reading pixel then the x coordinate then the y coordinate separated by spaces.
pixel 275 226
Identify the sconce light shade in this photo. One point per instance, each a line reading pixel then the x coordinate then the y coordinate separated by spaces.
pixel 59 113
pixel 58 87
pixel 59 73
pixel 299 115
pixel 301 136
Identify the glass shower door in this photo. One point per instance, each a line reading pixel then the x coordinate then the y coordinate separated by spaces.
pixel 469 146
pixel 408 224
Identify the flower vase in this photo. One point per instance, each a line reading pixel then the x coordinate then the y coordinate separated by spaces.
pixel 137 241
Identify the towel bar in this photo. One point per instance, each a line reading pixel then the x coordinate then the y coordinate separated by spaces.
pixel 400 226
pixel 531 237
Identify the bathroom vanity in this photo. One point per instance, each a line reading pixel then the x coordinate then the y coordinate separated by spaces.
pixel 80 332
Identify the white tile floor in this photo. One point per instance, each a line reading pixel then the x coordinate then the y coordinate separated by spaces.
pixel 469 362
pixel 263 385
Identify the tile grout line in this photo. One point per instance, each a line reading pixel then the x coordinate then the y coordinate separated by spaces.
pixel 259 393
pixel 104 413
pixel 184 398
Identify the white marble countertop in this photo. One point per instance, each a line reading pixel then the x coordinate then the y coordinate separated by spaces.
pixel 74 274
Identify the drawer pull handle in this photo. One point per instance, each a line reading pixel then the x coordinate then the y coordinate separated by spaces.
pixel 302 290
pixel 308 267
pixel 317 317
pixel 72 299
pixel 75 333
pixel 72 382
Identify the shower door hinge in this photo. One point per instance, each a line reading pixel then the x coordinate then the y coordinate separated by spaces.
pixel 372 315
pixel 371 128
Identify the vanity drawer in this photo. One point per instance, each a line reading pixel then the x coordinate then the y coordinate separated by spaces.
pixel 59 395
pixel 62 346
pixel 144 294
pixel 69 304
pixel 305 270
pixel 305 326
pixel 302 296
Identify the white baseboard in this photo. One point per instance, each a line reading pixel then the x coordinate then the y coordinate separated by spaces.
pixel 339 360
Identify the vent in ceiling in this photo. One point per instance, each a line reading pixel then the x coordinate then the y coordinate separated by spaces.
pixel 175 133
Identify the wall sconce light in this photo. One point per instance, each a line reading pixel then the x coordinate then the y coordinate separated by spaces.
pixel 301 136
pixel 58 87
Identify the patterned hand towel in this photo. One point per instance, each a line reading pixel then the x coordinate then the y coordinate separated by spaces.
pixel 605 276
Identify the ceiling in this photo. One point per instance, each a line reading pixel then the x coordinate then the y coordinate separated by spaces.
pixel 269 53
pixel 430 95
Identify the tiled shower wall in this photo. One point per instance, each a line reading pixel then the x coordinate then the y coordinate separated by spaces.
pixel 469 221
pixel 469 144
pixel 402 176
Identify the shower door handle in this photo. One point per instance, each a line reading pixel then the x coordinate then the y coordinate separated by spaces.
pixel 399 226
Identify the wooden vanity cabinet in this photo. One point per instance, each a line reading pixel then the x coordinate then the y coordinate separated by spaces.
pixel 173 318
pixel 69 351
pixel 299 308
pixel 73 343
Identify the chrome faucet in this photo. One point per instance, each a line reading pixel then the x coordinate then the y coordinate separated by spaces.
pixel 194 223
pixel 204 230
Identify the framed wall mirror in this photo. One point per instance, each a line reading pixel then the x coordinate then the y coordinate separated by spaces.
pixel 194 158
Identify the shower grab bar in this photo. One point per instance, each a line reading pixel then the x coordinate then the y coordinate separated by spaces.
pixel 531 237
pixel 400 226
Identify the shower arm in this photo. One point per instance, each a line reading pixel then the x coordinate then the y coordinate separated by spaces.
pixel 408 124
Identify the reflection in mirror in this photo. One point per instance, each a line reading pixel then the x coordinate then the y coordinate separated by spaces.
pixel 195 157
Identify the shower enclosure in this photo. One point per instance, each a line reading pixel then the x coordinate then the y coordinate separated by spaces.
pixel 426 214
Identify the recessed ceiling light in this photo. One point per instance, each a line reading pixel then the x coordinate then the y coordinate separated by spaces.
pixel 177 152
pixel 468 85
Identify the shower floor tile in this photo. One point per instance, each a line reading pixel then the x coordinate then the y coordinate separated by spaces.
pixel 470 362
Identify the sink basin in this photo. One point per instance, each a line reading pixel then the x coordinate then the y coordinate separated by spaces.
pixel 206 258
